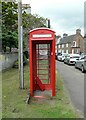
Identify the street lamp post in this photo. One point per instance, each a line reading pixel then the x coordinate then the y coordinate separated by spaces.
pixel 20 44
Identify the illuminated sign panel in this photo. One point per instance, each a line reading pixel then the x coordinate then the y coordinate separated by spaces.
pixel 41 35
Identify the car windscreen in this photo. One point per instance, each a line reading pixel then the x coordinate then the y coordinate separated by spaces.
pixel 74 57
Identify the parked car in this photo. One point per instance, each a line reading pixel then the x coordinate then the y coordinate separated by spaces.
pixel 83 54
pixel 62 56
pixel 81 63
pixel 56 56
pixel 71 59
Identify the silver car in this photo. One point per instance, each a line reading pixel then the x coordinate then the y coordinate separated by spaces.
pixel 71 59
pixel 62 56
pixel 81 63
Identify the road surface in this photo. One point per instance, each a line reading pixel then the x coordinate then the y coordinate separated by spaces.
pixel 74 81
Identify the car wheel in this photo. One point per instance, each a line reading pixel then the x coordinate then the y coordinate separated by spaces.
pixel 82 69
pixel 64 62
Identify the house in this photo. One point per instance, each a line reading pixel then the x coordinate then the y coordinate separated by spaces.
pixel 56 42
pixel 26 8
pixel 71 44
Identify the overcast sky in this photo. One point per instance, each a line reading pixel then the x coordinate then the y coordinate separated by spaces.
pixel 65 15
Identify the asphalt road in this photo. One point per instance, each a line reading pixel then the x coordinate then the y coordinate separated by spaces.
pixel 74 81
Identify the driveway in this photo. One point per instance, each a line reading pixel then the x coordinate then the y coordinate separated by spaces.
pixel 74 81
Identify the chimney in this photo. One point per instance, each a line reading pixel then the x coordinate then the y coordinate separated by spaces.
pixel 65 35
pixel 78 31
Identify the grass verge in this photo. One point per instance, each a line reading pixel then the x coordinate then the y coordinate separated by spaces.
pixel 0 95
pixel 14 105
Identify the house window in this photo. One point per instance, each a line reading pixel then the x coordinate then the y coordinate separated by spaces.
pixel 77 51
pixel 59 51
pixel 62 45
pixel 74 44
pixel 67 45
pixel 72 51
pixel 59 46
pixel 67 51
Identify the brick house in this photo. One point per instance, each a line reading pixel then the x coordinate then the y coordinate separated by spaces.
pixel 71 44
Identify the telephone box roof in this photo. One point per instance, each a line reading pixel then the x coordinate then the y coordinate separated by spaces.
pixel 42 28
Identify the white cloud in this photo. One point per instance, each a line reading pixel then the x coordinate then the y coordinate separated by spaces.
pixel 65 15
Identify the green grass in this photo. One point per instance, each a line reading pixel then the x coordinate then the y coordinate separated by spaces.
pixel 0 95
pixel 14 105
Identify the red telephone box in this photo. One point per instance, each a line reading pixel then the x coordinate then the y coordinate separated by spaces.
pixel 42 60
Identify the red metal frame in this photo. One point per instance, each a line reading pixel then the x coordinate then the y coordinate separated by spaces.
pixel 46 37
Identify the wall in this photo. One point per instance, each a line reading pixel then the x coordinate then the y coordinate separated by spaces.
pixel 7 60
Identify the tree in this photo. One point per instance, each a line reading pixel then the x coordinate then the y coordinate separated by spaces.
pixel 9 25
pixel 10 15
pixel 30 22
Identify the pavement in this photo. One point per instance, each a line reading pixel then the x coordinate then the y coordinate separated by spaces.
pixel 42 94
pixel 74 82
